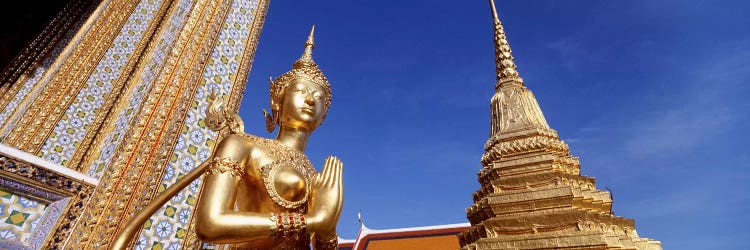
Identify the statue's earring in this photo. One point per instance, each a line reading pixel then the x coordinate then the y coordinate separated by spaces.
pixel 270 122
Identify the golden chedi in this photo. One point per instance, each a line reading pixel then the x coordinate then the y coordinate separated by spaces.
pixel 532 193
pixel 263 193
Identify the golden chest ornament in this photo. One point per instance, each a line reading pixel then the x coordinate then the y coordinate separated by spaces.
pixel 288 161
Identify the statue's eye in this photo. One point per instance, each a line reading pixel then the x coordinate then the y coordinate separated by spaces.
pixel 317 95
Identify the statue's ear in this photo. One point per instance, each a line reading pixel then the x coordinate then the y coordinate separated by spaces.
pixel 274 105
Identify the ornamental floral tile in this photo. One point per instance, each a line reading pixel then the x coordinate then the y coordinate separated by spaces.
pixel 184 216
pixel 163 229
pixel 141 244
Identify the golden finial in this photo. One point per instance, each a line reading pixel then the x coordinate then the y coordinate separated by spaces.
pixel 494 11
pixel 218 118
pixel 215 119
pixel 505 67
pixel 309 46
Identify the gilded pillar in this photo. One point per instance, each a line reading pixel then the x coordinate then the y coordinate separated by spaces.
pixel 38 49
pixel 166 136
pixel 138 164
pixel 63 86
pixel 121 100
pixel 19 82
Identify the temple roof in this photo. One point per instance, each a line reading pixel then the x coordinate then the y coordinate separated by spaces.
pixel 427 237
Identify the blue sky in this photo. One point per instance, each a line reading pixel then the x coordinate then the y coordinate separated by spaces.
pixel 652 95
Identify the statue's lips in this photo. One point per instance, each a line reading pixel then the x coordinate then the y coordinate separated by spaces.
pixel 308 110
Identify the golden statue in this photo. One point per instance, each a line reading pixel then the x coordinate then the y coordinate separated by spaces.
pixel 263 193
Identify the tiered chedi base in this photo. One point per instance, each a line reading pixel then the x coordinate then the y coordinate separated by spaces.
pixel 533 197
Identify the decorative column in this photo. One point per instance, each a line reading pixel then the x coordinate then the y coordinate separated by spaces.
pixel 122 102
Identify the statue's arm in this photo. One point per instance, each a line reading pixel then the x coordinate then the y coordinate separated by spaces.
pixel 216 220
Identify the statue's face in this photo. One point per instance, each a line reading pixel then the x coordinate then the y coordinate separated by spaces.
pixel 302 105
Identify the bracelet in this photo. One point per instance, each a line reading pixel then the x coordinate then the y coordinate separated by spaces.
pixel 326 244
pixel 288 226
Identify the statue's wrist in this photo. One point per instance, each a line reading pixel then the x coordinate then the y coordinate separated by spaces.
pixel 313 223
pixel 327 236
pixel 288 226
pixel 326 241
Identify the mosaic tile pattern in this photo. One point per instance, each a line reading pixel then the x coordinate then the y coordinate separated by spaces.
pixel 137 93
pixel 46 223
pixel 70 130
pixel 18 217
pixel 168 227
pixel 28 85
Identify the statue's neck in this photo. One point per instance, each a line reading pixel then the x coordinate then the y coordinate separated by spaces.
pixel 293 138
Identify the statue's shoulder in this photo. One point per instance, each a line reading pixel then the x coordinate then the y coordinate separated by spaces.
pixel 249 141
pixel 241 139
pixel 239 146
pixel 233 139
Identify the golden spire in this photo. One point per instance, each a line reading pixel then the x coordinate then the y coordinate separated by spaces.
pixel 505 67
pixel 513 106
pixel 309 46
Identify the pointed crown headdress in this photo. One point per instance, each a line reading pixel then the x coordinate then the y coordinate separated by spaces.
pixel 304 69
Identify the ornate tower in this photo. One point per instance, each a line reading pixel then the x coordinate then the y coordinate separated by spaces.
pixel 109 111
pixel 532 194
